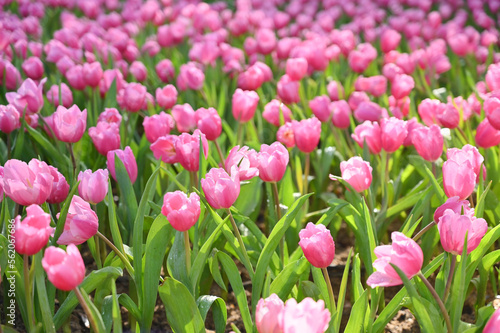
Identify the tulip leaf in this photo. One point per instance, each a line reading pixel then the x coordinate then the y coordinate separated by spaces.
pixel 48 323
pixel 61 221
pixel 286 280
pixel 438 189
pixel 183 316
pixel 219 310
pixel 176 261
pixel 113 223
pixel 342 293
pixel 358 313
pixel 94 312
pixel 128 200
pixel 129 304
pixel 61 160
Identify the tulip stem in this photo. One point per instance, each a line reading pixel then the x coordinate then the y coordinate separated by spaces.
pixel 70 147
pixel 276 196
pixel 97 253
pixel 306 172
pixel 27 290
pixel 118 253
pixel 194 180
pixel 330 289
pixel 450 277
pixel 239 133
pixel 8 146
pixel 240 241
pixel 220 154
pixel 424 230
pixel 86 308
pixel 187 247
pixel 438 300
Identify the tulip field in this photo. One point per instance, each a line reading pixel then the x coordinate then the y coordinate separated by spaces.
pixel 279 166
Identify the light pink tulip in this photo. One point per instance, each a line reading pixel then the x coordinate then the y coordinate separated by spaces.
pixel 92 74
pixel 32 233
pixel 165 70
pixel 317 244
pixel 187 148
pixel 245 160
pixel 28 97
pixel 75 77
pixel 307 133
pixel 393 133
pixel 268 313
pixel 93 186
pixel 341 114
pixel 105 136
pixel 288 90
pixel 166 97
pixel 274 110
pixel 296 68
pixel 459 179
pixel 65 269
pixel 110 115
pixel 181 212
pixel 357 173
pixel 134 97
pixel 128 159
pixel 320 106
pixel 285 135
pixel 185 117
pixel 454 204
pixel 244 104
pixel 209 123
pixel 66 98
pixel 469 154
pixel 273 161
pixel 69 124
pixel 428 142
pixel 402 85
pixel 81 223
pixel 369 132
pixel 158 125
pixel 220 188
pixel 164 148
pixel 453 227
pixel 307 316
pixel 335 90
pixel 138 71
pixel 9 118
pixel 367 110
pixel 486 135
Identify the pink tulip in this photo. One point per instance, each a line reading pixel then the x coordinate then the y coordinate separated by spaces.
pixel 389 40
pixel 166 97
pixel 251 79
pixel 187 148
pixel 246 162
pixel 393 133
pixel 367 110
pixel 9 119
pixel 493 323
pixel 220 188
pixel 402 85
pixel 285 135
pixel 454 204
pixel 468 154
pixel 341 114
pixel 60 187
pixel 492 110
pixel 27 184
pixel 335 90
pixel 81 223
pixel 190 77
pixel 307 316
pixel 296 68
pixel 453 227
pixel 357 173
pixel 244 104
pixel 428 142
pixel 288 90
pixel 75 77
pixel 493 77
pixel 28 97
pixel 33 68
pixel 134 97
pixel 356 98
pixel 375 85
pixel 317 244
pixel 33 233
pixel 448 116
pixel 320 106
pixel 182 212
pixel 92 74
pixel 66 98
pixel 69 124
pixel 369 132
pixel 307 133
pixel 65 64
pixel 164 148
pixel 128 159
pixel 428 109
pixel 165 70
pixel 105 136
pixel 209 123
pixel 93 187
pixel 185 117
pixel 266 40
pixel 459 179
pixel 411 126
pixel 65 269
pixel 157 125
pixel 110 115
pixel 403 253
pixel 273 161
pixel 274 110
pixel 138 71
pixel 268 313
pixel 486 135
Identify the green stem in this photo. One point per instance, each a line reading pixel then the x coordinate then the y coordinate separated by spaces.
pixel 118 253
pixel 73 161
pixel 187 247
pixel 8 147
pixel 223 162
pixel 239 134
pixel 86 308
pixel 276 197
pixel 240 240
pixel 424 230
pixel 450 277
pixel 330 289
pixel 438 300
pixel 27 291
pixel 306 172
pixel 97 252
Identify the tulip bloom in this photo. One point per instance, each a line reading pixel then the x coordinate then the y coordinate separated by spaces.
pixel 92 74
pixel 158 125
pixel 453 226
pixel 81 223
pixel 182 212
pixel 27 184
pixel 369 132
pixel 468 154
pixel 341 114
pixel 244 104
pixel 403 253
pixel 33 68
pixel 220 188
pixel 60 187
pixel 209 123
pixel 185 117
pixel 69 124
pixel 317 244
pixel 134 96
pixel 454 204
pixel 190 77
pixel 33 233
pixel 110 115
pixel 93 187
pixel 65 269
pixel 105 136
pixel 402 85
pixel 274 110
pixel 486 135
pixel 246 162
pixel 187 148
pixel 268 313
pixel 459 179
pixel 9 119
pixel 393 133
pixel 166 97
pixel 66 95
pixel 285 135
pixel 307 133
pixel 273 161
pixel 357 173
pixel 493 323
pixel 307 316
pixel 428 142
pixel 296 68
pixel 29 96
pixel 288 90
pixel 165 70
pixel 164 148
pixel 128 159
pixel 320 106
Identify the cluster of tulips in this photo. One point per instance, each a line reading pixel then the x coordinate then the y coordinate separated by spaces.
pixel 241 139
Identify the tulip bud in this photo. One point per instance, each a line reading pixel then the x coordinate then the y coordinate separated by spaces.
pixel 165 70
pixel 393 133
pixel 81 223
pixel 220 188
pixel 138 71
pixel 459 179
pixel 182 212
pixel 157 125
pixel 288 90
pixel 296 68
pixel 468 154
pixel 185 117
pixel 92 74
pixel 134 97
pixel 60 187
pixel 33 68
pixel 66 98
pixel 166 97
pixel 402 85
pixel 273 161
pixel 28 98
pixel 9 119
pixel 33 233
pixel 128 159
pixel 428 142
pixel 285 135
pixel 93 187
pixel 209 123
pixel 69 124
pixel 244 104
pixel 187 148
pixel 320 106
pixel 307 133
pixel 57 263
pixel 317 244
pixel 454 204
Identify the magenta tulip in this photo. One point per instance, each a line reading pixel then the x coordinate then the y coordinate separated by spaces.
pixel 268 313
pixel 459 179
pixel 273 161
pixel 341 114
pixel 33 233
pixel 165 70
pixel 164 148
pixel 9 119
pixel 69 124
pixel 92 74
pixel 81 223
pixel 307 133
pixel 296 68
pixel 486 135
pixel 128 159
pixel 393 133
pixel 367 110
pixel 166 97
pixel 158 125
pixel 220 188
pixel 288 90
pixel 33 68
pixel 245 160
pixel 244 104
pixel 134 96
pixel 320 106
pixel 369 132
pixel 428 142
pixel 187 148
pixel 307 316
pixel 185 117
pixel 139 71
pixel 493 325
pixel 65 269
pixel 93 186
pixel 454 204
pixel 402 85
pixel 317 244
pixel 182 212
pixel 453 227
pixel 357 173
pixel 209 123
pixel 105 136
pixel 60 187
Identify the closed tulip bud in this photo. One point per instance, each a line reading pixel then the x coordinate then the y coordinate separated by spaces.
pixel 285 135
pixel 27 184
pixel 448 116
pixel 307 316
pixel 69 124
pixel 411 125
pixel 320 106
pixel 288 90
pixel 274 111
pixel 65 269
pixel 164 149
pixel 296 68
pixel 105 136
pixel 486 135
pixel 267 315
pixel 92 73
pixel 459 179
pixel 158 125
pixel 93 187
pixel 33 68
pixel 273 161
pixel 356 98
pixel 187 148
pixel 110 115
pixel 367 110
pixel 32 233
pixel 389 40
pixel 220 188
pixel 182 212
pixel 28 98
pixel 403 253
pixel 335 90
pixel 468 154
pixel 66 97
pixel 357 173
pixel 246 162
pixel 492 77
pixel 428 142
pixel 166 97
pixel 190 77
pixel 393 133
pixel 134 97
pixel 128 159
pixel 60 187
pixel 81 223
pixel 369 132
pixel 75 77
pixel 341 114
pixel 209 123
pixel 165 70
pixel 453 227
pixel 244 104
pixel 493 324
pixel 402 85
pixel 138 71
pixel 317 244
pixel 307 133
pixel 185 117
pixel 9 119
pixel 454 204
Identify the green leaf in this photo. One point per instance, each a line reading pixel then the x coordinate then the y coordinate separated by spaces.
pixel 358 313
pixel 43 301
pixel 182 313
pixel 129 304
pixel 310 290
pixel 62 161
pixel 176 261
pixel 127 197
pixel 437 188
pixel 286 280
pixel 113 223
pixel 219 310
pixel 342 292
pixel 94 312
